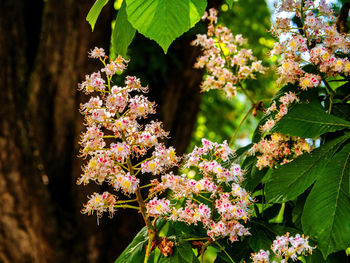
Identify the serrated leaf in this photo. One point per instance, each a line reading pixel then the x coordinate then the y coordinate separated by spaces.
pixel 95 12
pixel 123 33
pixel 309 121
pixel 136 250
pixel 164 20
pixel 327 209
pixel 292 179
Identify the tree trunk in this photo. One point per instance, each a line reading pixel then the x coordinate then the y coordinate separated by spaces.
pixel 24 198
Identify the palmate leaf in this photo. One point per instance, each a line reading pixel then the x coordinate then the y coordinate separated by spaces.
pixel 326 212
pixel 292 179
pixel 164 20
pixel 309 121
pixel 95 12
pixel 123 33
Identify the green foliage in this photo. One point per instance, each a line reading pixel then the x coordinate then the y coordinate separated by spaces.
pixel 95 12
pixel 229 3
pixel 309 121
pixel 164 20
pixel 292 179
pixel 123 33
pixel 253 174
pixel 160 20
pixel 327 211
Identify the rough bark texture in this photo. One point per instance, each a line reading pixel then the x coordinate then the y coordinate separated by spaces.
pixel 23 197
pixel 43 56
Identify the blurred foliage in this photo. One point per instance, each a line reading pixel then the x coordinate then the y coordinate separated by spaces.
pixel 219 117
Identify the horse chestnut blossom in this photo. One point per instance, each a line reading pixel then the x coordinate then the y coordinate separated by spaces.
pixel 115 143
pixel 285 247
pixel 118 149
pixel 317 42
pixel 214 197
pixel 279 149
pixel 277 112
pixel 227 63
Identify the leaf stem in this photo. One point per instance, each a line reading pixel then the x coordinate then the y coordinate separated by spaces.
pixel 331 93
pixel 240 125
pixel 246 93
pixel 195 238
pixel 127 206
pixel 126 201
pixel 145 186
pixel 222 248
pixel 204 197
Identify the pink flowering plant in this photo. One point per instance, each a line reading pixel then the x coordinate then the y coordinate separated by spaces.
pixel 292 179
pixel 116 145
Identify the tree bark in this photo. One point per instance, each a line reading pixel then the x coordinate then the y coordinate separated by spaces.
pixel 23 196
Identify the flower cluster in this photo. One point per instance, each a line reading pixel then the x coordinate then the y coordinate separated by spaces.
pixel 279 111
pixel 285 247
pixel 317 42
pixel 114 138
pixel 279 149
pixel 228 64
pixel 213 196
pixel 100 203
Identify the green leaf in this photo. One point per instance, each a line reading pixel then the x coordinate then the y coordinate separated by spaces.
pixel 95 12
pixel 240 154
pixel 327 209
pixel 317 257
pixel 253 175
pixel 136 250
pixel 260 239
pixel 292 179
pixel 229 3
pixel 123 33
pixel 238 251
pixel 164 20
pixel 309 121
pixel 341 110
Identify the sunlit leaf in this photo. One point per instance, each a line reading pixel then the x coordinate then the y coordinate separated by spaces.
pixel 95 12
pixel 164 20
pixel 123 33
